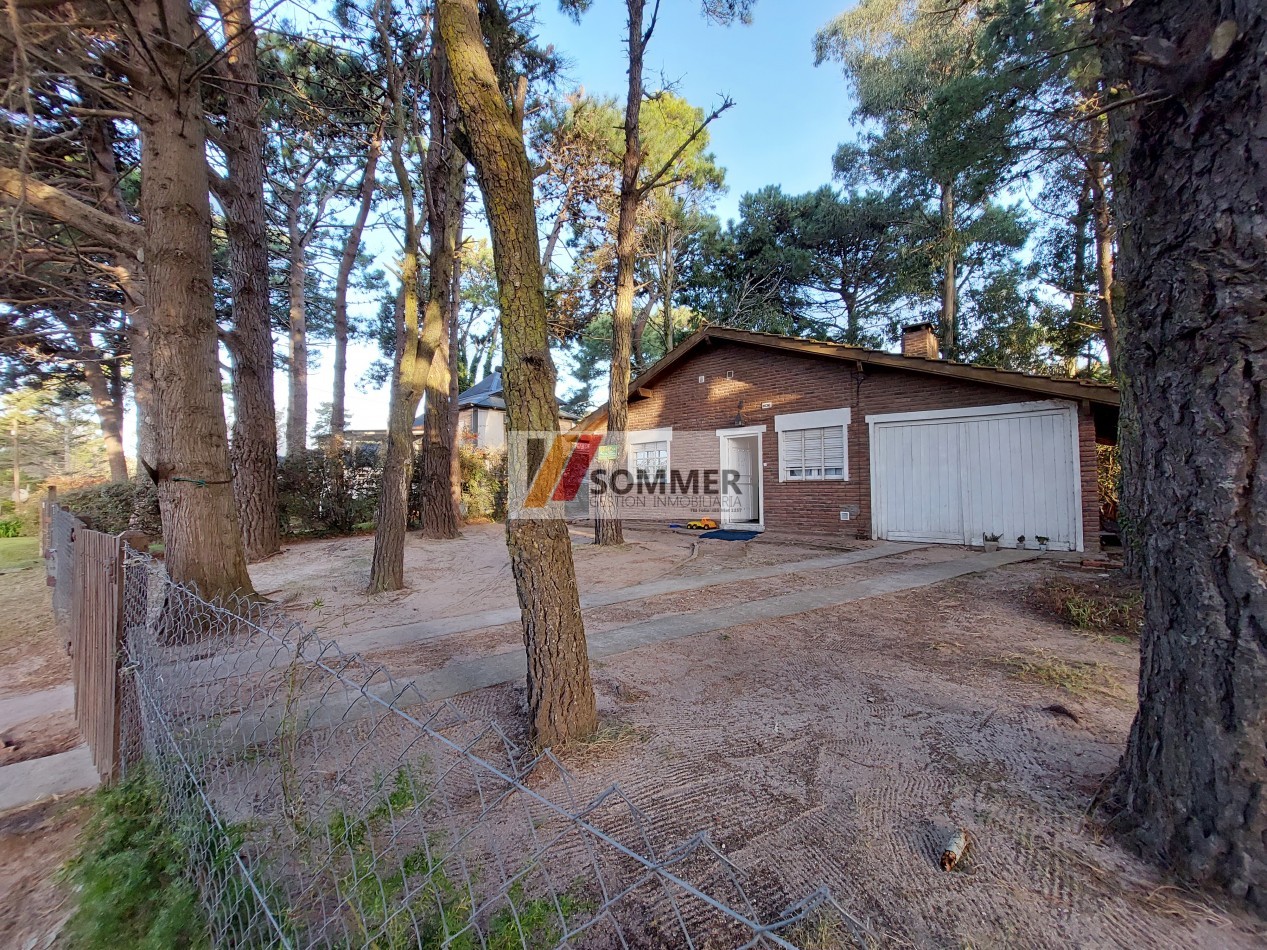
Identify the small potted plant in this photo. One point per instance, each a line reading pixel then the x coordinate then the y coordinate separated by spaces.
pixel 990 542
pixel 1020 542
pixel 1042 542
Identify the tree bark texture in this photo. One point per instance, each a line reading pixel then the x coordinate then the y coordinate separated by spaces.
pixel 607 526
pixel 949 289
pixel 253 448
pixel 445 171
pixel 387 567
pixel 191 462
pixel 561 701
pixel 352 247
pixel 297 400
pixel 413 360
pixel 1191 198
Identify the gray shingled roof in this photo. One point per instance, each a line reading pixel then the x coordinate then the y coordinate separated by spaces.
pixel 487 394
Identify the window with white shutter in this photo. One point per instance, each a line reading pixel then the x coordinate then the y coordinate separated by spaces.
pixel 812 445
pixel 649 450
pixel 651 457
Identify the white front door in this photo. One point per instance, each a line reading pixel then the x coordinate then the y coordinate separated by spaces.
pixel 741 480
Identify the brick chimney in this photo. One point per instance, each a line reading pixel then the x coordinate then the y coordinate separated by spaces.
pixel 918 339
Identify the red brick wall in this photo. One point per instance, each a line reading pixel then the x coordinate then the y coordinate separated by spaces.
pixel 1089 460
pixel 794 383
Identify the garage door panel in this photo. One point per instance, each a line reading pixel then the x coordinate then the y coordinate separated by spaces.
pixel 955 479
pixel 921 497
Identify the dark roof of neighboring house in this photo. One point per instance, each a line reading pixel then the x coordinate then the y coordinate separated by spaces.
pixel 487 394
pixel 1104 394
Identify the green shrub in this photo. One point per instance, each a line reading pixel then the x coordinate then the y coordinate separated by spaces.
pixel 131 881
pixel 322 494
pixel 484 486
pixel 23 519
pixel 110 506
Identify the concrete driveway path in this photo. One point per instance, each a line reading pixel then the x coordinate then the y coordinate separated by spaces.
pixel 409 688
pixel 463 676
pixel 409 634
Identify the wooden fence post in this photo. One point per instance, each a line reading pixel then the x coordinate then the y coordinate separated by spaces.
pixel 97 615
pixel 46 522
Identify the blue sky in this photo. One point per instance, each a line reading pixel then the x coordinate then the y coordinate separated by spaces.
pixel 787 120
pixel 788 116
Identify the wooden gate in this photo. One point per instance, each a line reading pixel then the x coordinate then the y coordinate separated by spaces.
pixel 96 625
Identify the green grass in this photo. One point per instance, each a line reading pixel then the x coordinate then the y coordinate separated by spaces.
pixel 17 553
pixel 130 880
pixel 410 903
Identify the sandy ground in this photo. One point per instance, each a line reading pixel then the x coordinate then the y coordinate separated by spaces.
pixel 36 841
pixel 34 844
pixel 509 637
pixel 844 746
pixel 323 582
pixel 32 655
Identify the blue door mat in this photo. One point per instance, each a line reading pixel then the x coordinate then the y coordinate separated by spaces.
pixel 723 535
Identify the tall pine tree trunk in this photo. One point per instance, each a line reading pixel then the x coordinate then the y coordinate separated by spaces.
pixel 107 416
pixel 446 198
pixel 607 527
pixel 387 566
pixel 351 247
pixel 253 449
pixel 413 359
pixel 297 402
pixel 456 355
pixel 561 701
pixel 191 454
pixel 1102 226
pixel 950 263
pixel 1190 191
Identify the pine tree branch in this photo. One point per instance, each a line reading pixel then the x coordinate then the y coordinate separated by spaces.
pixel 19 190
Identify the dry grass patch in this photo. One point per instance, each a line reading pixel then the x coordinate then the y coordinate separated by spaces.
pixel 32 652
pixel 609 740
pixel 1073 676
pixel 826 931
pixel 1112 607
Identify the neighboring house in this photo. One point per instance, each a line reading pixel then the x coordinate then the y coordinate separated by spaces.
pixel 834 439
pixel 481 419
pixel 482 413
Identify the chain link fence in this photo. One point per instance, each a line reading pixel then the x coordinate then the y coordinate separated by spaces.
pixel 324 804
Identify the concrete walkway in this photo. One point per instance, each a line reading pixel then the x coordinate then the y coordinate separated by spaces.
pixel 25 783
pixel 422 631
pixel 463 676
pixel 275 656
pixel 17 708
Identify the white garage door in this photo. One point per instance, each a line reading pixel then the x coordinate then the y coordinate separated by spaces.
pixel 954 475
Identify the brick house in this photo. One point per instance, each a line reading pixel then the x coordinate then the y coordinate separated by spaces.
pixel 828 439
pixel 482 414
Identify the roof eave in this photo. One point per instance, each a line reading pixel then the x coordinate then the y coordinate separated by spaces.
pixel 1007 379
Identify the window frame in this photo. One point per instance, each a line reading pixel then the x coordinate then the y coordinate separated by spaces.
pixel 801 422
pixel 635 438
